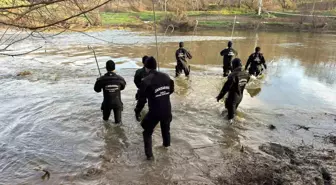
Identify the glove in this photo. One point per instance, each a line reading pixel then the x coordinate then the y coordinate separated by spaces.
pixel 217 98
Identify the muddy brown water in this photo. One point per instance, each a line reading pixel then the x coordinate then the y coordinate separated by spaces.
pixel 51 119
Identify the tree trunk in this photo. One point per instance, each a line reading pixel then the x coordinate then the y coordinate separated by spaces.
pixel 259 7
pixel 313 10
pixel 165 6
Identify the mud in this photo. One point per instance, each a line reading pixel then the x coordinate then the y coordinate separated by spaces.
pixel 280 165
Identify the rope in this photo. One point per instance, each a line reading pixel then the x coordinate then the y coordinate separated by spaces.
pixel 156 41
pixel 233 27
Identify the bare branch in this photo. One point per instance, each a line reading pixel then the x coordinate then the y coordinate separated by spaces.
pixel 11 37
pixel 20 54
pixel 31 5
pixel 4 33
pixel 16 41
pixel 80 8
pixel 57 22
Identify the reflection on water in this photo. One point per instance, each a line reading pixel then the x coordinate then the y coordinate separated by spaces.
pixel 52 119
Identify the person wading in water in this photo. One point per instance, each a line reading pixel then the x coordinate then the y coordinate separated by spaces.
pixel 157 88
pixel 181 58
pixel 111 84
pixel 235 86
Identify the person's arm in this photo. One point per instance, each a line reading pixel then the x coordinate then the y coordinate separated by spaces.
pixel 122 83
pixel 222 52
pixel 143 93
pixel 97 86
pixel 188 54
pixel 248 62
pixel 172 86
pixel 137 79
pixel 227 86
pixel 176 55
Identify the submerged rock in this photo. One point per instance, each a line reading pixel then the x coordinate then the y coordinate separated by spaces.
pixel 271 127
pixel 24 73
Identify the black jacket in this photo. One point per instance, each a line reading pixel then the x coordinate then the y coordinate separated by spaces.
pixel 256 60
pixel 112 84
pixel 228 54
pixel 182 55
pixel 235 84
pixel 140 74
pixel 157 88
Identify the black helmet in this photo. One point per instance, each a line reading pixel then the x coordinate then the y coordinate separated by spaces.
pixel 257 49
pixel 236 63
pixel 110 65
pixel 144 58
pixel 181 44
pixel 230 44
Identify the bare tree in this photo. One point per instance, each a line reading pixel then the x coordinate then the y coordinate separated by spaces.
pixel 35 16
pixel 249 3
pixel 165 5
pixel 286 4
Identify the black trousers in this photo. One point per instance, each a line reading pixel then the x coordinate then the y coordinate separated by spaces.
pixel 182 66
pixel 117 110
pixel 141 102
pixel 255 72
pixel 231 104
pixel 148 124
pixel 226 69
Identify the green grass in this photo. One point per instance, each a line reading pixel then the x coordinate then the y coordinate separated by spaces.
pixel 329 13
pixel 226 11
pixel 148 16
pixel 129 18
pixel 118 18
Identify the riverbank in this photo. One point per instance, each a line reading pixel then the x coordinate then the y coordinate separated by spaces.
pixel 224 20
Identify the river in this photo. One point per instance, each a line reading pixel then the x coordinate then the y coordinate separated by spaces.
pixel 51 119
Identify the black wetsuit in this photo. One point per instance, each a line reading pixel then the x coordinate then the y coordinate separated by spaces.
pixel 235 85
pixel 112 84
pixel 228 54
pixel 181 59
pixel 140 74
pixel 255 61
pixel 157 88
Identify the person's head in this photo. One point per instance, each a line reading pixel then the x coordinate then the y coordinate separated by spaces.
pixel 110 66
pixel 181 44
pixel 144 58
pixel 150 64
pixel 230 44
pixel 257 49
pixel 236 63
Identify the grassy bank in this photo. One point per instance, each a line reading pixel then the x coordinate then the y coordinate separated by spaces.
pixel 129 18
pixel 221 19
pixel 138 18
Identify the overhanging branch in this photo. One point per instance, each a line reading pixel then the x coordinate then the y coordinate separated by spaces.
pixel 57 22
pixel 31 5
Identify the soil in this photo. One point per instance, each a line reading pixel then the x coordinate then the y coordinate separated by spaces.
pixel 275 164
